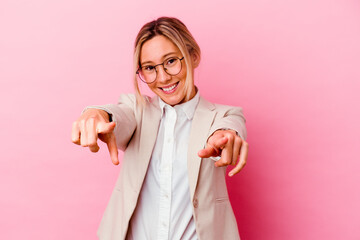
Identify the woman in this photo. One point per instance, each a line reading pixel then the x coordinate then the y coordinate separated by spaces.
pixel 168 187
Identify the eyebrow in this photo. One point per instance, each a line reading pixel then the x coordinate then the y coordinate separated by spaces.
pixel 170 53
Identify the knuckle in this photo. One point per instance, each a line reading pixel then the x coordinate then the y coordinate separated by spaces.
pixel 242 164
pixel 230 136
pixel 211 140
pixel 91 120
pixel 219 164
pixel 225 162
pixel 75 124
pixel 82 122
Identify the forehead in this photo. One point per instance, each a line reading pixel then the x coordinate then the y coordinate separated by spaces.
pixel 154 49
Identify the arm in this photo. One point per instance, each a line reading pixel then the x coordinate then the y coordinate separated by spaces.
pixel 232 118
pixel 227 139
pixel 123 114
pixel 95 123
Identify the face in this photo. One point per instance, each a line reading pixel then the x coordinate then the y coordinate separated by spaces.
pixel 169 88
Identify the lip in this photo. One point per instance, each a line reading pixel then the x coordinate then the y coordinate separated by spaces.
pixel 170 85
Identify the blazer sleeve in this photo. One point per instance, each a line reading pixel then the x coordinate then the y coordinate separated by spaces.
pixel 123 113
pixel 229 118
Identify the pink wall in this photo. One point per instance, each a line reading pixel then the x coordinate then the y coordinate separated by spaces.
pixel 293 66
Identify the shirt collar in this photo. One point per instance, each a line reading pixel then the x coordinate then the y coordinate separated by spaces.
pixel 187 107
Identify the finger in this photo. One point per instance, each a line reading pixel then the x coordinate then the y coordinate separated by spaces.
pixel 92 135
pixel 112 146
pixel 104 127
pixel 218 142
pixel 83 134
pixel 75 133
pixel 226 157
pixel 243 158
pixel 209 151
pixel 236 150
pixel 227 152
pixel 213 148
pixel 94 148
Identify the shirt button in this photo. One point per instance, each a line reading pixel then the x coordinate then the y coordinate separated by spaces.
pixel 195 203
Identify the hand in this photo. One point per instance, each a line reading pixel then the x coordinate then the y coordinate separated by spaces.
pixel 94 124
pixel 227 144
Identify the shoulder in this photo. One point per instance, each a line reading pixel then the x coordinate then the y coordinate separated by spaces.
pixel 130 100
pixel 220 108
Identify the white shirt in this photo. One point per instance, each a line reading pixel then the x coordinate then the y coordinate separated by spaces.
pixel 164 209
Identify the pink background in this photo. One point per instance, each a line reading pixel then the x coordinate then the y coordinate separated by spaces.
pixel 294 66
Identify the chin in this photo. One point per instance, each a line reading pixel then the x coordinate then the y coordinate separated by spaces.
pixel 172 100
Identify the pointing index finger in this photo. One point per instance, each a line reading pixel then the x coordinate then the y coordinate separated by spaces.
pixel 112 146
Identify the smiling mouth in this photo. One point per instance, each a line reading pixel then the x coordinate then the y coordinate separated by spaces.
pixel 170 89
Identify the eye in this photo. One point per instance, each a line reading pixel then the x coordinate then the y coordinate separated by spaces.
pixel 148 68
pixel 171 61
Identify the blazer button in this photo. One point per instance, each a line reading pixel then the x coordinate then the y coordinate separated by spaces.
pixel 195 203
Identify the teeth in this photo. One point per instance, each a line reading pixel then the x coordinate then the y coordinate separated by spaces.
pixel 169 88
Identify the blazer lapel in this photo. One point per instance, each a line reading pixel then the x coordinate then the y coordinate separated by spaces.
pixel 201 124
pixel 150 126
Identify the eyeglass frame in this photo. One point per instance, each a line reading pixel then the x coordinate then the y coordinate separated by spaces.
pixel 139 69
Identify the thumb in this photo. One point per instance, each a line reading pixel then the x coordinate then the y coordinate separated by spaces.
pixel 104 127
pixel 208 151
pixel 213 147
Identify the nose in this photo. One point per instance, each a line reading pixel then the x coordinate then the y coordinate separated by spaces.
pixel 162 75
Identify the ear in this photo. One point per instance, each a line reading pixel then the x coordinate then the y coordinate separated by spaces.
pixel 195 58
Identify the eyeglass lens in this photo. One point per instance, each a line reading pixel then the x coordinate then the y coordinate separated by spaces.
pixel 172 66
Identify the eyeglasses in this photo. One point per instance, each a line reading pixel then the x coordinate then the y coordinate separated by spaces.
pixel 148 73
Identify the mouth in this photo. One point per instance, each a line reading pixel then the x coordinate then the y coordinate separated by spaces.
pixel 170 88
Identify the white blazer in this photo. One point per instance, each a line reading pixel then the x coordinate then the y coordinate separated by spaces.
pixel 136 132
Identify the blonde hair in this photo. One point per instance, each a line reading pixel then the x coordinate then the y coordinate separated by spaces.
pixel 175 31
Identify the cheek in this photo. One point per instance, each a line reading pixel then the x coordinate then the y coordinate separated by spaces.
pixel 183 74
pixel 152 87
